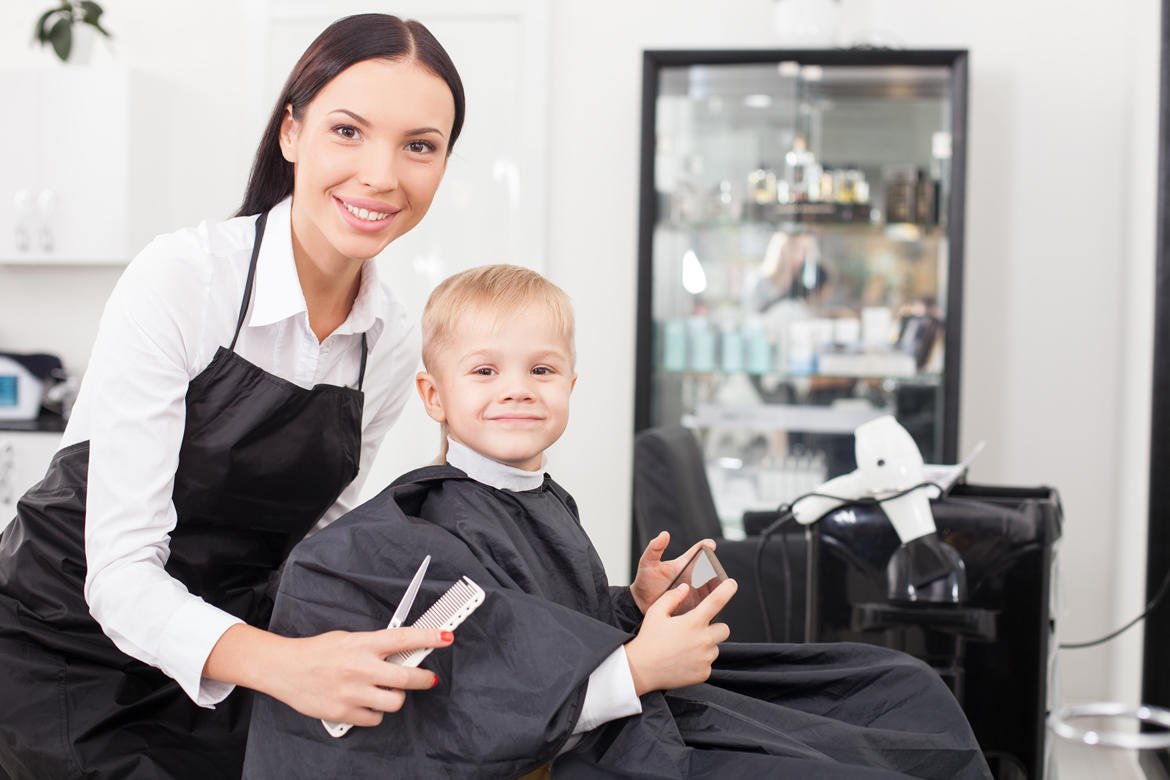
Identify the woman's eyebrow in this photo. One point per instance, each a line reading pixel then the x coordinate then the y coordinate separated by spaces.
pixel 361 120
pixel 425 130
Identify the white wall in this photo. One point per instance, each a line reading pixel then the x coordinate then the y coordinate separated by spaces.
pixel 1058 254
pixel 199 48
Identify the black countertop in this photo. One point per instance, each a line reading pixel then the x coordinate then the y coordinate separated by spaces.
pixel 48 422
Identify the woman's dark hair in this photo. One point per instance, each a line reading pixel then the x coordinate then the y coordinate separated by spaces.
pixel 344 43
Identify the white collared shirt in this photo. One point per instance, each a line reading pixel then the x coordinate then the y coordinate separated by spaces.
pixel 176 303
pixel 610 693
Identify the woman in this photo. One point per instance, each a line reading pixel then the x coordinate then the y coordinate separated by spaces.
pixel 243 376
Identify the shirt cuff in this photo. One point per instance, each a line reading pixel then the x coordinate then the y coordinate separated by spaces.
pixel 187 642
pixel 610 693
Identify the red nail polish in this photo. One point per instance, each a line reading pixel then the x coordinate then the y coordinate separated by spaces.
pixel 447 636
pixel 436 682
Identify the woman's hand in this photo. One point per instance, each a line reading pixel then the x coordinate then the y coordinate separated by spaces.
pixel 655 575
pixel 340 676
pixel 670 650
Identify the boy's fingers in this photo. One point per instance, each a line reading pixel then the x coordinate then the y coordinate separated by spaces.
pixel 671 600
pixel 694 548
pixel 653 552
pixel 716 600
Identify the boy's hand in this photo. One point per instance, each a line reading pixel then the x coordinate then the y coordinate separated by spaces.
pixel 670 650
pixel 655 575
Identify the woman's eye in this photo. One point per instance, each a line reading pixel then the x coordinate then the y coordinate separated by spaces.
pixel 348 132
pixel 420 147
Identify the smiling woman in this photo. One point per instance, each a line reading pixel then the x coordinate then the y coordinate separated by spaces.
pixel 243 376
pixel 366 170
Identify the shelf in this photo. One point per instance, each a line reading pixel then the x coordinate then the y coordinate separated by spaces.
pixel 926 380
pixel 783 417
pixel 897 231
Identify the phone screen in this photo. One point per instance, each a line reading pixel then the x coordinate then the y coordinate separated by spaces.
pixel 702 567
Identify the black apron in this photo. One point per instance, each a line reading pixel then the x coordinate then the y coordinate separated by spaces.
pixel 260 462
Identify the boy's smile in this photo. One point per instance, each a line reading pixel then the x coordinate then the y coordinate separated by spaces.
pixel 502 383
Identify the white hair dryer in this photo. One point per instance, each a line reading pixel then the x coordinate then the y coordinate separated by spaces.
pixel 923 568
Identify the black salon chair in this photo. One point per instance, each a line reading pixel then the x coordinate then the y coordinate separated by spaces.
pixel 671 493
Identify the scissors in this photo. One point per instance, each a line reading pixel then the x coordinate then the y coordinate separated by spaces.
pixel 336 729
pixel 408 598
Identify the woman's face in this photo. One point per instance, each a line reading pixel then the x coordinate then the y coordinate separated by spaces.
pixel 368 155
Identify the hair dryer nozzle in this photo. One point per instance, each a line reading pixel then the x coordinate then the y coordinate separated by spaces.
pixel 927 569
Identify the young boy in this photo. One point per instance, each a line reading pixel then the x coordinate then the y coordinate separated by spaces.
pixel 556 667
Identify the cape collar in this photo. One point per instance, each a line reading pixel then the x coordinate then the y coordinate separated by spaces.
pixel 491 472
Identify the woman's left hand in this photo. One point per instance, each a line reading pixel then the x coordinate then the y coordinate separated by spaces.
pixel 655 575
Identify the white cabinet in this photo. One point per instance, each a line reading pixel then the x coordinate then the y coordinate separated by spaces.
pixel 82 179
pixel 23 460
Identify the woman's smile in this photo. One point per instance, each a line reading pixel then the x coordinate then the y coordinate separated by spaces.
pixel 366 216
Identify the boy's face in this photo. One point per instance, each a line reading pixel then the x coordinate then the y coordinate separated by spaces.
pixel 502 384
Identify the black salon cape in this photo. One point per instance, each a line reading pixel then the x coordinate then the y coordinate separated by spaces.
pixel 511 686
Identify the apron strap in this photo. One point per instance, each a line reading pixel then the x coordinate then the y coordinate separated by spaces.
pixel 260 223
pixel 362 371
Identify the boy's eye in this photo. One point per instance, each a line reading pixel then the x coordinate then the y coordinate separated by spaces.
pixel 483 371
pixel 348 132
pixel 541 370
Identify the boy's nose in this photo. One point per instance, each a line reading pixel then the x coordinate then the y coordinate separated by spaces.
pixel 517 390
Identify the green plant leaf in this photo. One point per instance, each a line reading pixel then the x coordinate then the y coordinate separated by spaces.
pixel 90 11
pixel 92 14
pixel 61 36
pixel 42 27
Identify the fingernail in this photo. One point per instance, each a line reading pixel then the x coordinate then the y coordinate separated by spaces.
pixel 436 682
pixel 447 636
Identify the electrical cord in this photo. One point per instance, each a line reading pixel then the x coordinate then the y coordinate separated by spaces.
pixel 776 525
pixel 1112 634
pixel 786 516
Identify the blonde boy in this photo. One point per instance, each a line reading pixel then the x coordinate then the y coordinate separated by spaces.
pixel 556 667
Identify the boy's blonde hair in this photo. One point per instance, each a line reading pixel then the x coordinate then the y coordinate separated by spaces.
pixel 501 289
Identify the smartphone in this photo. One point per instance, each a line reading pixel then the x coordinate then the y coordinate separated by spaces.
pixel 702 567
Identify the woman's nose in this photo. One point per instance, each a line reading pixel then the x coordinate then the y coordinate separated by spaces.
pixel 379 168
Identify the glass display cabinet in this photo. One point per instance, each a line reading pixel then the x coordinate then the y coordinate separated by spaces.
pixel 800 258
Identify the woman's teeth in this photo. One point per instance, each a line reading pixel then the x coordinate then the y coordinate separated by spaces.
pixel 371 216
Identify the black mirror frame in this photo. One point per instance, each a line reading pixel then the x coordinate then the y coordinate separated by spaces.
pixel 1155 669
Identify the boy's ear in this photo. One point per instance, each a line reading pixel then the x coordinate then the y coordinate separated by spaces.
pixel 573 383
pixel 428 391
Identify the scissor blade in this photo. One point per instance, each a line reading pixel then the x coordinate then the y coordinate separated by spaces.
pixel 408 598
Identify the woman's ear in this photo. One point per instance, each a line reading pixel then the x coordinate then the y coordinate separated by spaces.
pixel 428 391
pixel 289 129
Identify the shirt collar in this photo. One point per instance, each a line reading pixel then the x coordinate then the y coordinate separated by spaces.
pixel 277 295
pixel 492 473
